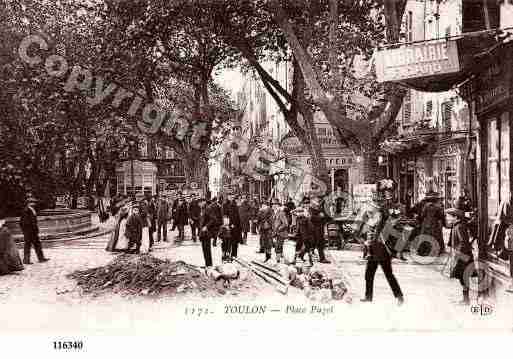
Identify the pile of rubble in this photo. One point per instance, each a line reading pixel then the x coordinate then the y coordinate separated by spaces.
pixel 143 275
pixel 317 284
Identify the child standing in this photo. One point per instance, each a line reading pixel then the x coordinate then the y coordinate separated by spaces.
pixel 462 251
pixel 225 233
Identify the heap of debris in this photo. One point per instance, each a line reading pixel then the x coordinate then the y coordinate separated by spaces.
pixel 317 284
pixel 143 275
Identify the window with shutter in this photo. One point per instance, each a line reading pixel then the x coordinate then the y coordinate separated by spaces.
pixel 446 117
pixel 429 108
pixel 407 107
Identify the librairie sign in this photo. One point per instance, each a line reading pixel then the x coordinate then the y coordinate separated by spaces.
pixel 417 60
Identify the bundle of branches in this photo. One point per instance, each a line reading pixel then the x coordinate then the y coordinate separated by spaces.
pixel 143 275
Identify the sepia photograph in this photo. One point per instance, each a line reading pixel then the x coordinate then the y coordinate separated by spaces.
pixel 255 166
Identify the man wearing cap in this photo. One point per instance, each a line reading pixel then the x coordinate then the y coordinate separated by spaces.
pixel 30 229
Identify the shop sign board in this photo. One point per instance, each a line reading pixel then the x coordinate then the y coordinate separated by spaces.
pixel 494 87
pixel 417 61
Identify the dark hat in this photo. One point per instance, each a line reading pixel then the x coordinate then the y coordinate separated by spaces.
pixel 455 212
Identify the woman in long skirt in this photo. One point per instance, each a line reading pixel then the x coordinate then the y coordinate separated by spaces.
pixel 118 242
pixel 10 260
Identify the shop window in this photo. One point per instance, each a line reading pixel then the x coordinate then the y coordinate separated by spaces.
pixel 504 157
pixel 493 170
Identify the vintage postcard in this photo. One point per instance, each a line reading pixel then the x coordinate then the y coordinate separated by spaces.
pixel 323 166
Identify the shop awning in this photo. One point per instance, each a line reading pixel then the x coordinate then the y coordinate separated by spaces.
pixel 407 143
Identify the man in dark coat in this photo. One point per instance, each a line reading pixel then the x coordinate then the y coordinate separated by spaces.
pixel 265 228
pixel 217 212
pixel 304 237
pixel 162 216
pixel 194 214
pixel 208 229
pixel 30 229
pixel 133 230
pixel 245 213
pixel 319 219
pixel 181 217
pixel 373 219
pixel 432 220
pixel 255 207
pixel 231 209
pixel 289 207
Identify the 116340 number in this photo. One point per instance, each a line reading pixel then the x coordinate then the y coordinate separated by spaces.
pixel 68 345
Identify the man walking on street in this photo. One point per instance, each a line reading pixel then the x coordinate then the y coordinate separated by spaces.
pixel 162 216
pixel 30 229
pixel 373 220
pixel 194 214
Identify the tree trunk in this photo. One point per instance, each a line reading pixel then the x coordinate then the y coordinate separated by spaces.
pixel 370 163
pixel 196 170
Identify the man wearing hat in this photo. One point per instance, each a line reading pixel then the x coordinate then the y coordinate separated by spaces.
pixel 432 220
pixel 231 209
pixel 462 250
pixel 319 218
pixel 265 228
pixel 304 241
pixel 30 229
pixel 372 220
pixel 280 227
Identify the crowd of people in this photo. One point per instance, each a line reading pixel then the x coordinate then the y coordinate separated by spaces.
pixel 227 220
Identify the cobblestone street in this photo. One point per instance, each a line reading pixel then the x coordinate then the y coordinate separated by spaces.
pixel 53 302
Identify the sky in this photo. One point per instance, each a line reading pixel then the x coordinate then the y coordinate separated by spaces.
pixel 230 80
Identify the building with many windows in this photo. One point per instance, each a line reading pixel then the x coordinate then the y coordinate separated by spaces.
pixel 150 168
